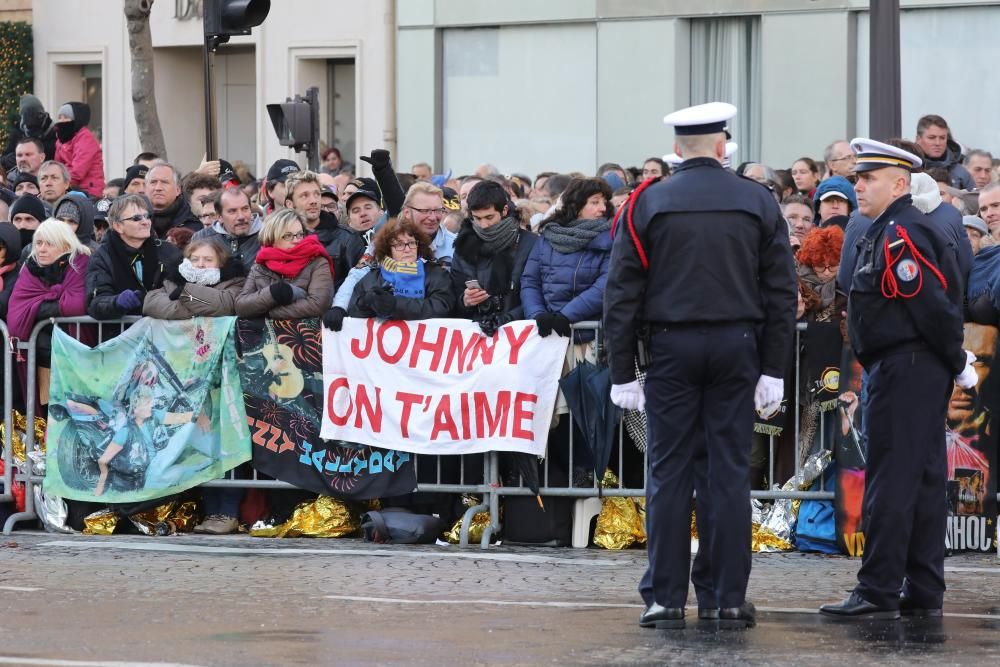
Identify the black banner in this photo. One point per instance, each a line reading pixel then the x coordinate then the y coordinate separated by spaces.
pixel 281 368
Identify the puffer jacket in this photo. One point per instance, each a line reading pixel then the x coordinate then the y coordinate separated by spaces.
pixel 82 155
pixel 106 279
pixel 256 301
pixel 438 301
pixel 499 274
pixel 571 284
pixel 197 300
pixel 344 245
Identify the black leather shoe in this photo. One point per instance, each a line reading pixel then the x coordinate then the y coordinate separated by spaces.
pixel 738 618
pixel 908 607
pixel 662 618
pixel 856 607
pixel 708 613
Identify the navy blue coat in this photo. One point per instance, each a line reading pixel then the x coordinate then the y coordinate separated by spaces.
pixel 571 284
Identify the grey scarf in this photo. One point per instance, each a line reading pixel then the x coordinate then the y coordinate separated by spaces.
pixel 576 235
pixel 497 237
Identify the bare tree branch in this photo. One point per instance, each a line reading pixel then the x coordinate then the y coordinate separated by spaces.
pixel 140 43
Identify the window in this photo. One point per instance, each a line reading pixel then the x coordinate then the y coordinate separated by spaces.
pixel 725 67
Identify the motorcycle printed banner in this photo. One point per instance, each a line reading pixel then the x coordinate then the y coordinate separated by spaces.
pixel 440 386
pixel 149 413
pixel 282 371
pixel 971 440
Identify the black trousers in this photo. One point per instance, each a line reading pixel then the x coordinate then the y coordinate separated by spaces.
pixel 905 480
pixel 699 409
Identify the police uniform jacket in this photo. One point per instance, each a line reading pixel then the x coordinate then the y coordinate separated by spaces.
pixel 718 251
pixel 910 298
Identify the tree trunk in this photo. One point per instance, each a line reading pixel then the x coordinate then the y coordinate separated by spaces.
pixel 140 43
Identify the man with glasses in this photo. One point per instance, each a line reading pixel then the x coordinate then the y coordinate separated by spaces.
pixel 424 206
pixel 130 263
pixel 840 160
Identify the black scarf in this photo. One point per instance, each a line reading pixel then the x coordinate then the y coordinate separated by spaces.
pixel 26 236
pixel 124 258
pixel 52 274
pixel 574 236
pixel 164 220
pixel 470 247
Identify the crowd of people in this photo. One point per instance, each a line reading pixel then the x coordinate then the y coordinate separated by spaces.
pixel 169 243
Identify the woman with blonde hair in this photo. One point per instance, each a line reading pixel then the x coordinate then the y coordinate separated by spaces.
pixel 52 284
pixel 293 276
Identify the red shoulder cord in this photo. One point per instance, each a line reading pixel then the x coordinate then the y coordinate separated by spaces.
pixel 630 204
pixel 890 288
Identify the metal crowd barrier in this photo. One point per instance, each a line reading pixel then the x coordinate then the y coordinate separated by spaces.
pixel 489 485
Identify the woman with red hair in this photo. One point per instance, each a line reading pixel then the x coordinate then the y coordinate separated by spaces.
pixel 819 260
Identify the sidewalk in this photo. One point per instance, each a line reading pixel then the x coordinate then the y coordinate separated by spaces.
pixel 237 600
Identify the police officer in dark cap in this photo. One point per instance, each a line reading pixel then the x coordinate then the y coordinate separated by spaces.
pixel 702 261
pixel 905 325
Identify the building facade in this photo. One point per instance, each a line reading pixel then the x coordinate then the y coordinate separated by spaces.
pixel 526 85
pixel 570 84
pixel 343 48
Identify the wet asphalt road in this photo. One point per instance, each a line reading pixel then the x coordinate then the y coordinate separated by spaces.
pixel 78 601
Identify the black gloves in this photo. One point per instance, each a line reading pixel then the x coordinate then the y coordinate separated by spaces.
pixel 492 322
pixel 382 302
pixel 333 319
pixel 176 293
pixel 549 322
pixel 282 293
pixel 379 159
pixel 48 309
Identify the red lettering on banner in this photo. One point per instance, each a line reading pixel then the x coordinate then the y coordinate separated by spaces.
pixel 483 351
pixel 466 434
pixel 286 444
pixel 358 351
pixel 404 340
pixel 494 420
pixel 338 383
pixel 363 403
pixel 408 400
pixel 459 351
pixel 443 420
pixel 434 346
pixel 258 436
pixel 516 341
pixel 521 413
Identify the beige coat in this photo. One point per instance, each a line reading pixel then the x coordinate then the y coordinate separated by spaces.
pixel 256 300
pixel 194 301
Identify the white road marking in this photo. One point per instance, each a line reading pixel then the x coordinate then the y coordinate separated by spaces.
pixel 982 570
pixel 45 662
pixel 20 589
pixel 385 553
pixel 574 605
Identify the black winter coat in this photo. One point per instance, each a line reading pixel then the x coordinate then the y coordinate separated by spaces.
pixel 106 277
pixel 345 246
pixel 10 238
pixel 499 274
pixel 438 298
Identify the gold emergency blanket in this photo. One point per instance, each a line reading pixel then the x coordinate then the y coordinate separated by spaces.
pixel 17 435
pixel 476 526
pixel 323 517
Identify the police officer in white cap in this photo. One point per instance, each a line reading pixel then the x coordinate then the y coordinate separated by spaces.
pixel 703 262
pixel 905 325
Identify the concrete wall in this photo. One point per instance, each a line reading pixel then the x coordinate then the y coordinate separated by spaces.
pixel 296 36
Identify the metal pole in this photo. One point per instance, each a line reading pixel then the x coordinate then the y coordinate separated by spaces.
pixel 884 97
pixel 208 56
pixel 312 97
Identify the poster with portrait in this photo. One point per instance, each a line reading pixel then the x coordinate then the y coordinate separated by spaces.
pixel 851 458
pixel 971 440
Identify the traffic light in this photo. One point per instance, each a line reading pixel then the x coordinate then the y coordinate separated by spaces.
pixel 296 122
pixel 224 18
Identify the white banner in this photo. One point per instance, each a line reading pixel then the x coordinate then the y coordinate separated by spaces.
pixel 440 386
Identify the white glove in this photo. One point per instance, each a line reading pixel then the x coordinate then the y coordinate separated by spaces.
pixel 768 395
pixel 968 378
pixel 628 396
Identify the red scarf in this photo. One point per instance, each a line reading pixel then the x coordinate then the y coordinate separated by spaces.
pixel 6 268
pixel 289 263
